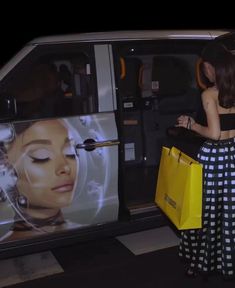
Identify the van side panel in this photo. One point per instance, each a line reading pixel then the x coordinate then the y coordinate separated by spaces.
pixel 57 170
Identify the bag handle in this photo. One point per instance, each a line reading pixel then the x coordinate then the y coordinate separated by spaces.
pixel 179 156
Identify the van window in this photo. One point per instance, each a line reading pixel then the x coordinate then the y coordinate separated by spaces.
pixel 53 81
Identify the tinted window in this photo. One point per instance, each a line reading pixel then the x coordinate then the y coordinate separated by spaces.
pixel 53 81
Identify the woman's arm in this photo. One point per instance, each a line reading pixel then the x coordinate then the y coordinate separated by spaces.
pixel 212 130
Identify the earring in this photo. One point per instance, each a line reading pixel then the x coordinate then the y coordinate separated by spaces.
pixel 22 201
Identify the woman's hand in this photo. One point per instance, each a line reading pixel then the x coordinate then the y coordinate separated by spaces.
pixel 185 121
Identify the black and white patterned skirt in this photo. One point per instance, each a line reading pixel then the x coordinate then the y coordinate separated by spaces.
pixel 212 248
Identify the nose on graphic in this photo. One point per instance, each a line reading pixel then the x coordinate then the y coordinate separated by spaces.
pixel 63 168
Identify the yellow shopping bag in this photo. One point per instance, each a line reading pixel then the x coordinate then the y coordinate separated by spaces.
pixel 179 188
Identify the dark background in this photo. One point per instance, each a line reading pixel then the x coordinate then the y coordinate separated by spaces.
pixel 21 23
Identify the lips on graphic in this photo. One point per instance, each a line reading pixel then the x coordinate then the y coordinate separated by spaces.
pixel 63 187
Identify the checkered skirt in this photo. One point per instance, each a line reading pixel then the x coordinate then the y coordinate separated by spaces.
pixel 212 248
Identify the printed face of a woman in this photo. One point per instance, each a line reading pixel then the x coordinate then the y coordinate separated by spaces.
pixel 46 164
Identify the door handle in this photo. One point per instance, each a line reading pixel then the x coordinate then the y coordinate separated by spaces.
pixel 91 144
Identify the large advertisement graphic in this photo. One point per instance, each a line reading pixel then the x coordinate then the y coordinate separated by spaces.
pixel 50 183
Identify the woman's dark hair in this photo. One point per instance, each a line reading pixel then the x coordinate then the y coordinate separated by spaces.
pixel 211 53
pixel 22 126
pixel 225 80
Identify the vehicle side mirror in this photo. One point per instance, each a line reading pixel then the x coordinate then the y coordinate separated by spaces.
pixel 7 107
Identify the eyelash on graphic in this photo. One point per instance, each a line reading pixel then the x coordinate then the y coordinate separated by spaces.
pixel 73 156
pixel 39 160
pixel 43 160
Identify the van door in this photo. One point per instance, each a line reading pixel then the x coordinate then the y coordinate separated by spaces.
pixel 156 83
pixel 59 152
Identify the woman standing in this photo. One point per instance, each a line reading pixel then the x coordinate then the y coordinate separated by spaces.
pixel 212 248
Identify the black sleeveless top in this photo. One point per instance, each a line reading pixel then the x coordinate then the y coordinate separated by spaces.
pixel 227 121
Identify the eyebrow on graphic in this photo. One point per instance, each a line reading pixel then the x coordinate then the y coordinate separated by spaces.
pixel 45 141
pixel 39 141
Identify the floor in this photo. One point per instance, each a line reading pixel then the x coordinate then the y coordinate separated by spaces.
pixel 143 259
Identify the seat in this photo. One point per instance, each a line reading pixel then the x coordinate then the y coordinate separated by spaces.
pixel 172 85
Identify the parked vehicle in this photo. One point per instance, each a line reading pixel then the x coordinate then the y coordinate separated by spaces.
pixel 83 120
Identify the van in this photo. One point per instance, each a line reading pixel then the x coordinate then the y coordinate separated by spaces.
pixel 83 119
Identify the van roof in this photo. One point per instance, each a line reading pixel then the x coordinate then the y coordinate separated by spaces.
pixel 109 36
pixel 129 35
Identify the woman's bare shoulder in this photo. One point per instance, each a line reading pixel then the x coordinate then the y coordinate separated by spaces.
pixel 210 94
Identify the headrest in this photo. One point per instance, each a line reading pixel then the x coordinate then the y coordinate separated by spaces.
pixel 170 76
